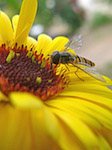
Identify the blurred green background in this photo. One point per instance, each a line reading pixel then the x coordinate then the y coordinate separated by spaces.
pixel 49 12
pixel 91 18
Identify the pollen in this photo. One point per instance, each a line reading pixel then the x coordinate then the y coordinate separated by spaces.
pixel 23 70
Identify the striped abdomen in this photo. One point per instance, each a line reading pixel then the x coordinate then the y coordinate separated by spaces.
pixel 83 61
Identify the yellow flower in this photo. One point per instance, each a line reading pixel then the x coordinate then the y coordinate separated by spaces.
pixel 44 107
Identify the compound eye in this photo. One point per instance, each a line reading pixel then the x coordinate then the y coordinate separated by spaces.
pixel 55 57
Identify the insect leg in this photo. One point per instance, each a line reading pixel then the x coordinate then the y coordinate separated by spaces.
pixel 77 71
pixel 77 75
pixel 86 72
pixel 67 67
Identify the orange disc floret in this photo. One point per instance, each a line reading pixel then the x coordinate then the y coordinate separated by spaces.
pixel 23 70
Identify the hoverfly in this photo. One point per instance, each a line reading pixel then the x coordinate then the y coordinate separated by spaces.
pixel 81 63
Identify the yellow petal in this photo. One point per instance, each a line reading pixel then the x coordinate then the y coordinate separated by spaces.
pixel 31 43
pixel 104 144
pixel 28 101
pixel 92 94
pixel 15 22
pixel 25 100
pixel 1 40
pixel 14 129
pixel 25 21
pixel 68 139
pixel 75 124
pixel 57 44
pixel 78 76
pixel 6 31
pixel 3 97
pixel 100 98
pixel 45 129
pixel 44 42
pixel 81 115
pixel 90 88
pixel 24 129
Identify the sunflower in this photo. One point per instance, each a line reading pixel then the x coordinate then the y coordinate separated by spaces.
pixel 44 107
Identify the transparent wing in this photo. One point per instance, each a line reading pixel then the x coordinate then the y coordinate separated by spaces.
pixel 109 86
pixel 90 71
pixel 75 43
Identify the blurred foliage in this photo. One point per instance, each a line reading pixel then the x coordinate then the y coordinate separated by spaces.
pixel 48 10
pixel 108 1
pixel 13 3
pixel 61 8
pixel 101 19
pixel 66 12
pixel 11 7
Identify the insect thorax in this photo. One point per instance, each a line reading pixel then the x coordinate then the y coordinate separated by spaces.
pixel 65 57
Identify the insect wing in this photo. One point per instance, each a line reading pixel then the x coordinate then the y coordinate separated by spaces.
pixel 75 43
pixel 109 86
pixel 92 72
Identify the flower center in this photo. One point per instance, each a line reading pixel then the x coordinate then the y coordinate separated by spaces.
pixel 24 70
